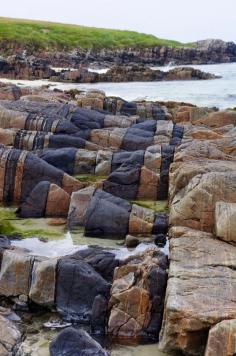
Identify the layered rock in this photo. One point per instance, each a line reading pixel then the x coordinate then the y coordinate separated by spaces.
pixel 100 213
pixel 202 52
pixel 59 283
pixel 21 171
pixel 17 67
pixel 200 290
pixel 134 73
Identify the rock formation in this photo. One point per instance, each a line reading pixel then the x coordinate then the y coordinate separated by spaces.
pixel 139 151
pixel 17 67
pixel 202 52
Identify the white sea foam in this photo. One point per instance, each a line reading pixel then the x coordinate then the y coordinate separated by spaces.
pixel 66 246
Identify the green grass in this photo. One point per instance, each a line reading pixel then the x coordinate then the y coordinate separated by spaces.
pixel 48 35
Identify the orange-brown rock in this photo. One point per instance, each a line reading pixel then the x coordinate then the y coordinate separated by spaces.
pixel 141 220
pixel 194 205
pixel 222 339
pixel 70 184
pixel 56 222
pixel 223 149
pixel 148 184
pixel 190 114
pixel 218 119
pixel 201 291
pixel 132 302
pixel 182 172
pixel 58 201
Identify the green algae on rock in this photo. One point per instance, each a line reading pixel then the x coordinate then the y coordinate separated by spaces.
pixel 158 206
pixel 89 178
pixel 11 225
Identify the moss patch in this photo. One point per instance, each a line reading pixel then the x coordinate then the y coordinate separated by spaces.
pixel 89 178
pixel 10 225
pixel 158 206
pixel 6 222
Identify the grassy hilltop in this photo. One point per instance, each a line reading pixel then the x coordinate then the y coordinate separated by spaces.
pixel 57 36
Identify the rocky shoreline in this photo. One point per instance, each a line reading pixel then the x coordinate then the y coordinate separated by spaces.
pixel 31 68
pixel 142 152
pixel 201 52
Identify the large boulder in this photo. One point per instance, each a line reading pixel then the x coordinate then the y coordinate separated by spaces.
pixel 101 213
pixel 104 262
pixel 222 339
pixel 104 214
pixel 200 292
pixel 223 149
pixel 75 342
pixel 81 293
pixel 182 173
pixel 194 205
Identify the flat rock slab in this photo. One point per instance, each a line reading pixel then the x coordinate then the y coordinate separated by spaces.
pixel 201 291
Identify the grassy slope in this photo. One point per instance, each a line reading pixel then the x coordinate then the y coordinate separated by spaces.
pixel 49 35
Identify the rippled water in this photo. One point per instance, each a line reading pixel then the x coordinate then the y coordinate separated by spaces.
pixel 218 92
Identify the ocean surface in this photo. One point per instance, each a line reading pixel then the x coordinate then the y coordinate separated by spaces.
pixel 220 93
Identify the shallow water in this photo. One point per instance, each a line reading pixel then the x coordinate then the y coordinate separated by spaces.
pixel 218 92
pixel 141 350
pixel 38 339
pixel 68 245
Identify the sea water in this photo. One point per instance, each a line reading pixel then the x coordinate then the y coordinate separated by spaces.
pixel 219 93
